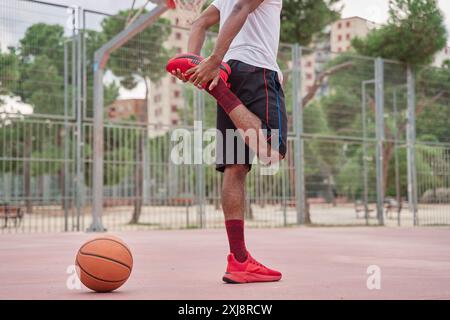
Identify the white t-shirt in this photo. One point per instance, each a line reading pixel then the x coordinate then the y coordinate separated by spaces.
pixel 257 42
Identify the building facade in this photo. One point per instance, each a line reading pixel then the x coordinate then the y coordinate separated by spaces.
pixel 127 110
pixel 339 36
pixel 166 97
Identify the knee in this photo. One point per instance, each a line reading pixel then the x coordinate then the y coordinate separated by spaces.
pixel 237 170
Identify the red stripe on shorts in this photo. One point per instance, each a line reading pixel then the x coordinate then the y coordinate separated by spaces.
pixel 267 98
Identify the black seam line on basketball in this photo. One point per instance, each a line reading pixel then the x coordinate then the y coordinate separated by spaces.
pixel 106 258
pixel 109 240
pixel 197 59
pixel 90 275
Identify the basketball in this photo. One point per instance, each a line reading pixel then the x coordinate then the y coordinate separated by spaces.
pixel 104 263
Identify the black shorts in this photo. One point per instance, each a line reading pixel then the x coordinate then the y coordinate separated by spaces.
pixel 260 91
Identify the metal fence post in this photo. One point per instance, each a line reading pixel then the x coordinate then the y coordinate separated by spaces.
pixel 379 102
pixel 66 140
pixel 396 155
pixel 77 113
pixel 365 153
pixel 101 57
pixel 80 136
pixel 97 168
pixel 410 143
pixel 297 107
pixel 199 105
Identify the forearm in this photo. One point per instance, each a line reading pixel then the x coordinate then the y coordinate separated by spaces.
pixel 196 39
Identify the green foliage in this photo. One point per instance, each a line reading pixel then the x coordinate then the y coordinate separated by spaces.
pixel 143 56
pixel 41 87
pixel 9 72
pixel 94 40
pixel 432 91
pixel 303 20
pixel 414 33
pixel 338 113
pixel 42 39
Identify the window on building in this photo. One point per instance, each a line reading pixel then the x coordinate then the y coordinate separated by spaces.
pixel 339 25
pixel 348 36
pixel 174 122
pixel 309 64
pixel 339 37
pixel 339 49
pixel 176 93
pixel 178 36
pixel 174 80
pixel 174 108
pixel 179 50
pixel 349 24
pixel 309 76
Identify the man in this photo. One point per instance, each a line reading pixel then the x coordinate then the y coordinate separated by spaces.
pixel 248 41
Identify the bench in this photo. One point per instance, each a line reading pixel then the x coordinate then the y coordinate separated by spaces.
pixel 8 212
pixel 392 206
pixel 359 207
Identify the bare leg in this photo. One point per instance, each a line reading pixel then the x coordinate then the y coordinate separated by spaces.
pixel 245 120
pixel 233 203
pixel 233 191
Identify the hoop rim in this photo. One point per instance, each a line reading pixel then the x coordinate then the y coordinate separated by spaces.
pixel 171 4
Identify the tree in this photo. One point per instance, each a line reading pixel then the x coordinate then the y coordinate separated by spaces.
pixel 411 23
pixel 145 54
pixel 414 33
pixel 34 71
pixel 304 20
pixel 42 39
pixel 9 72
pixel 42 87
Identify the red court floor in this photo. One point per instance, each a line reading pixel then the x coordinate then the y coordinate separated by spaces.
pixel 317 263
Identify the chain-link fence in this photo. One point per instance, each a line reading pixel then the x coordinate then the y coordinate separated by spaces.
pixel 368 138
pixel 432 148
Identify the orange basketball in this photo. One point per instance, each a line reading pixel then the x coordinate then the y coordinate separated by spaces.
pixel 104 263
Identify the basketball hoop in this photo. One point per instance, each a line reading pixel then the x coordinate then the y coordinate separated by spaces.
pixel 188 5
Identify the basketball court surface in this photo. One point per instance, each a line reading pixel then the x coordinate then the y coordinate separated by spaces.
pixel 317 263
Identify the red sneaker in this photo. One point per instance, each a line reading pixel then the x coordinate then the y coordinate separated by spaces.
pixel 186 61
pixel 248 271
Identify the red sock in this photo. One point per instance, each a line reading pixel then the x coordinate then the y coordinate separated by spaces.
pixel 225 97
pixel 235 231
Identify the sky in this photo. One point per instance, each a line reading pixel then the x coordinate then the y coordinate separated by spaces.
pixel 374 10
pixel 377 10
